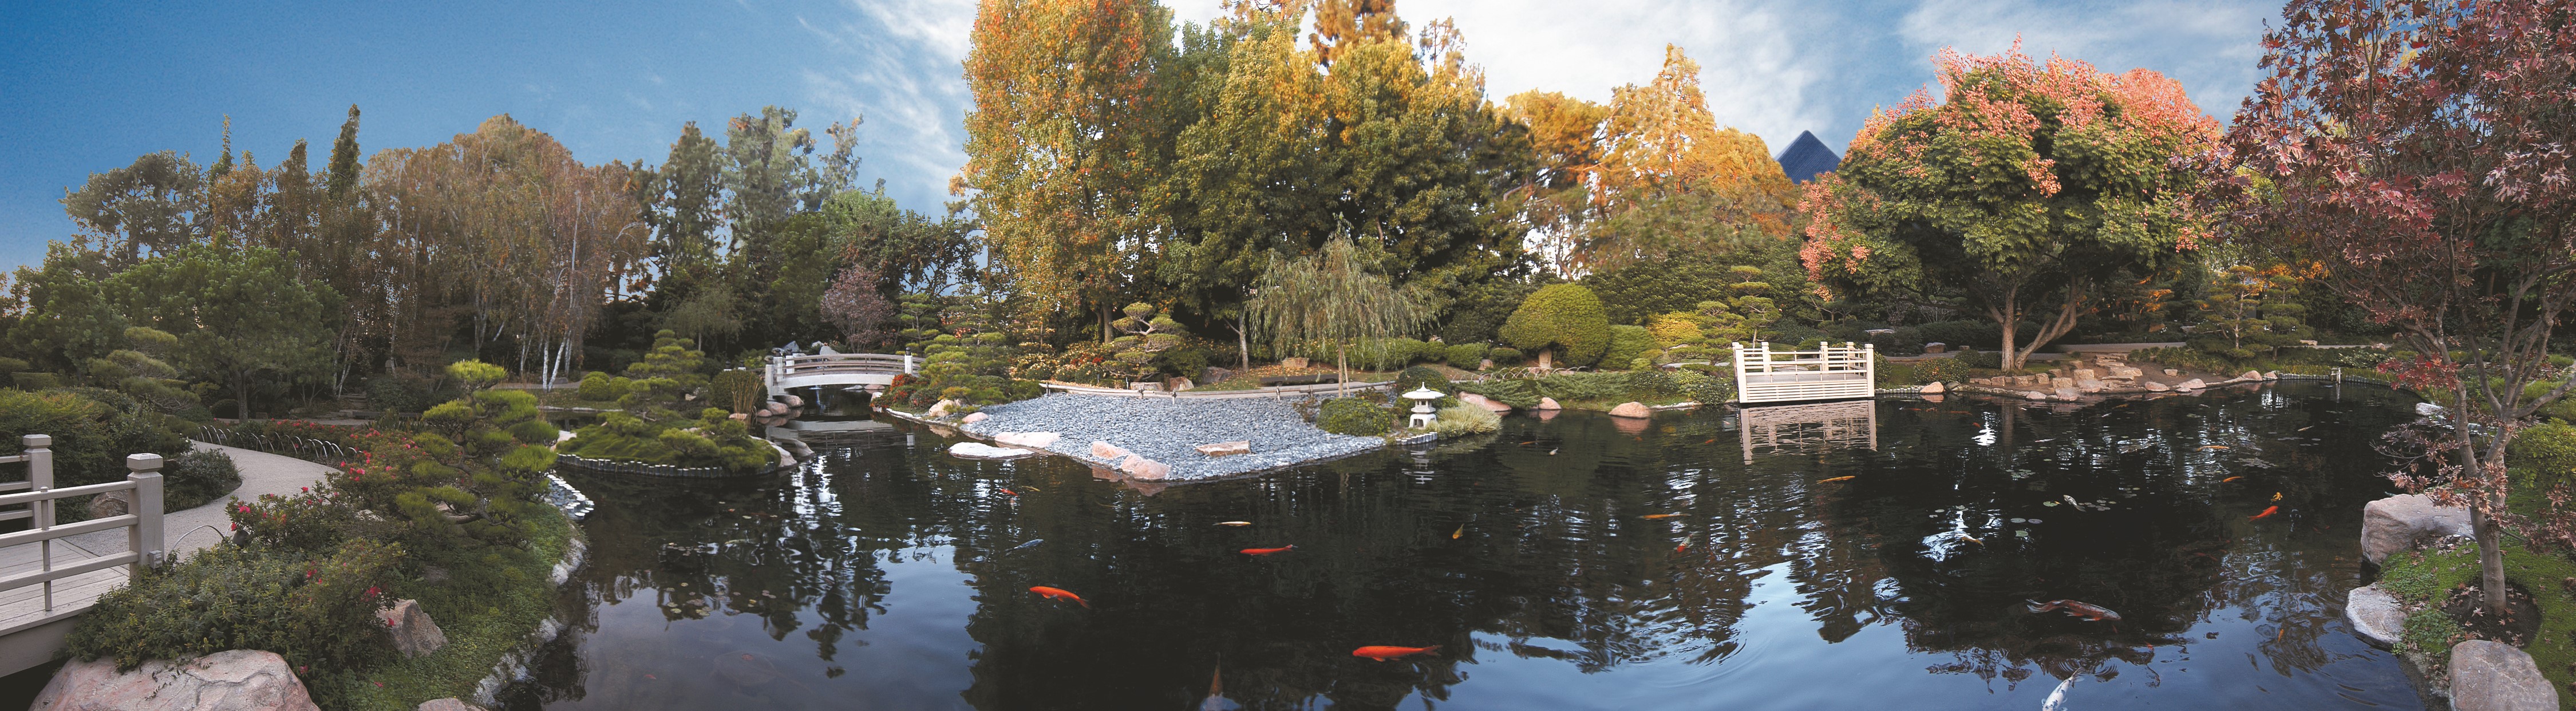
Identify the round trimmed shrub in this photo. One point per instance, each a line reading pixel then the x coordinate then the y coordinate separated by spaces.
pixel 1356 417
pixel 1422 376
pixel 1464 356
pixel 1565 316
pixel 1627 344
pixel 1504 355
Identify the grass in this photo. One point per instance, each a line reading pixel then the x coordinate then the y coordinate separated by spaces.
pixel 2416 577
pixel 481 624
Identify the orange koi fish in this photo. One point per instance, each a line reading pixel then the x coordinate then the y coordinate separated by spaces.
pixel 1268 551
pixel 2229 479
pixel 2095 613
pixel 1237 524
pixel 2276 496
pixel 1059 594
pixel 1462 530
pixel 1685 545
pixel 1007 490
pixel 1655 517
pixel 2214 446
pixel 1382 653
pixel 1839 478
pixel 2266 512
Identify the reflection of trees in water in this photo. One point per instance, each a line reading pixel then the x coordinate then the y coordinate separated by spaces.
pixel 2173 547
pixel 1556 561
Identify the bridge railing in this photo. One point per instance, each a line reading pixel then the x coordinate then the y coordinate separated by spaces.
pixel 1829 372
pixel 792 366
pixel 142 522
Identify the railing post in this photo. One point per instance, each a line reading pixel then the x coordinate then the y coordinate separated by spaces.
pixel 40 463
pixel 145 537
pixel 907 364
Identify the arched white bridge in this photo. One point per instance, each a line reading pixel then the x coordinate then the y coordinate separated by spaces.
pixel 785 373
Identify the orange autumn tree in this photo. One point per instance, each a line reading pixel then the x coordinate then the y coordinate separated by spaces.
pixel 1060 146
pixel 2029 187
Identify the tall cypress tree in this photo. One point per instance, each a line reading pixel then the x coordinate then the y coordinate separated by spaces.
pixel 344 157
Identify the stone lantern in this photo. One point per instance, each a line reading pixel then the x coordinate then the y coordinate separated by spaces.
pixel 1422 415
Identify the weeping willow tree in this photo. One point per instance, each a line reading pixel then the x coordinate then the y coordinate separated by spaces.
pixel 1333 296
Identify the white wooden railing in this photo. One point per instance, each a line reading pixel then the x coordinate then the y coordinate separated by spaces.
pixel 1829 372
pixel 785 372
pixel 37 498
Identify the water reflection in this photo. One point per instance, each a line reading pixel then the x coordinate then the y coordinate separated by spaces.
pixel 1777 429
pixel 883 574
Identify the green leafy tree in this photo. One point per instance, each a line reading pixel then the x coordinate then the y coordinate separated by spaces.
pixel 1558 317
pixel 241 314
pixel 2249 312
pixel 2027 187
pixel 1333 298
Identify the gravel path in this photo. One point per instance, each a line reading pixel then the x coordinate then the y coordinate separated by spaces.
pixel 1169 431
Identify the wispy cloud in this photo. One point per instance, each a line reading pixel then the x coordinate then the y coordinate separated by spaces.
pixel 2208 45
pixel 897 62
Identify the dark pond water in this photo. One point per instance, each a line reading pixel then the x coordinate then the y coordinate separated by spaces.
pixel 1822 574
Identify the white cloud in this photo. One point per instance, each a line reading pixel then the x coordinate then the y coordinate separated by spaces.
pixel 897 62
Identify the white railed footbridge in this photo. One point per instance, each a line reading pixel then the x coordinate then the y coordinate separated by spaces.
pixel 785 373
pixel 1829 372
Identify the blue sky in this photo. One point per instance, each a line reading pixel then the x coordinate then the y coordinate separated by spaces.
pixel 85 88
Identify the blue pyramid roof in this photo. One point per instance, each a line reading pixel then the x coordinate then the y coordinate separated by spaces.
pixel 1806 157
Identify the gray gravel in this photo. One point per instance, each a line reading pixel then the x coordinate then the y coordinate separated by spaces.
pixel 1169 430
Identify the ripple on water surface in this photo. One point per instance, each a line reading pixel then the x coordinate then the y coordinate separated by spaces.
pixel 1846 556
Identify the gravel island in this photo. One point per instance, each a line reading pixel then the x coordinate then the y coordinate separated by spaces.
pixel 1169 430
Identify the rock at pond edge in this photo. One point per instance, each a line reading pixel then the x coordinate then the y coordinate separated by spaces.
pixel 1140 467
pixel 1934 388
pixel 2375 615
pixel 1636 410
pixel 234 680
pixel 1549 403
pixel 1483 402
pixel 1226 449
pixel 2493 676
pixel 974 417
pixel 1111 452
pixel 2405 521
pixel 1029 440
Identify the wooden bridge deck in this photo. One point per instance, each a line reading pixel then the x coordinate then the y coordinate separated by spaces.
pixel 27 607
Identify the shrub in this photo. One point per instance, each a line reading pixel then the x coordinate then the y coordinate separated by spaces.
pixel 475 374
pixel 599 387
pixel 1462 419
pixel 91 438
pixel 1517 392
pixel 1504 356
pixel 737 390
pixel 1627 344
pixel 1704 388
pixel 2548 451
pixel 1979 359
pixel 1422 376
pixel 1978 334
pixel 317 613
pixel 190 480
pixel 1355 416
pixel 1464 356
pixel 1941 370
pixel 405 392
pixel 1563 316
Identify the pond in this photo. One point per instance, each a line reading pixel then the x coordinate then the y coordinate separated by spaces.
pixel 1854 555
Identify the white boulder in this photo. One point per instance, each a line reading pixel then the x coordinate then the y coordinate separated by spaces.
pixel 1029 440
pixel 2405 521
pixel 2493 676
pixel 979 450
pixel 2375 615
pixel 414 633
pixel 236 680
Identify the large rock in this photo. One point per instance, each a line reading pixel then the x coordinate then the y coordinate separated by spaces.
pixel 1111 452
pixel 1226 449
pixel 448 704
pixel 1549 403
pixel 2087 374
pixel 1292 363
pixel 236 680
pixel 2089 385
pixel 2153 386
pixel 1140 467
pixel 2250 375
pixel 974 417
pixel 2069 393
pixel 414 633
pixel 2493 676
pixel 2405 521
pixel 1483 402
pixel 2375 615
pixel 1632 409
pixel 2192 384
pixel 979 450
pixel 942 408
pixel 1218 375
pixel 1934 388
pixel 1030 440
pixel 2125 373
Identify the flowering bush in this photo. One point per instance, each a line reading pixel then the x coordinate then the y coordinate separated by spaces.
pixel 318 613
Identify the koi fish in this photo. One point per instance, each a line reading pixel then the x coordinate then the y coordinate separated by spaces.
pixel 1553 452
pixel 1268 551
pixel 2214 446
pixel 1685 545
pixel 1382 653
pixel 1031 487
pixel 2087 611
pixel 2229 479
pixel 1059 594
pixel 1654 517
pixel 1234 523
pixel 1711 440
pixel 2266 512
pixel 2276 496
pixel 1007 490
pixel 1033 543
pixel 1216 700
pixel 2057 699
pixel 1839 478
pixel 1462 530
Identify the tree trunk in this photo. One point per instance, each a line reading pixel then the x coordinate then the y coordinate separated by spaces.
pixel 1342 360
pixel 2012 354
pixel 241 396
pixel 1243 342
pixel 1543 360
